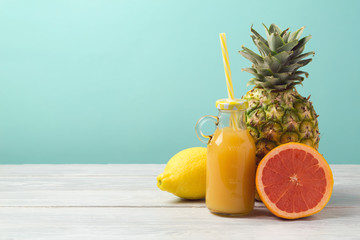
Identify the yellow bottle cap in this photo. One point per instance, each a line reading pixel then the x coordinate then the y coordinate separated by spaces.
pixel 231 104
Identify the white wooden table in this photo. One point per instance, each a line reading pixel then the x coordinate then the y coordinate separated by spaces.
pixel 122 202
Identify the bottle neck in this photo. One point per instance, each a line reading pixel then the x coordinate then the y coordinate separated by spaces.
pixel 229 117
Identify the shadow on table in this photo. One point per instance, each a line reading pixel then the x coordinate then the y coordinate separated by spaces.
pixel 345 197
pixel 327 213
pixel 182 201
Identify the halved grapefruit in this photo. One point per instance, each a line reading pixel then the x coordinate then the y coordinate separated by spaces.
pixel 294 181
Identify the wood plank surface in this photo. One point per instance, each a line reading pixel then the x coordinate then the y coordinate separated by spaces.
pixel 123 202
pixel 170 223
pixel 125 185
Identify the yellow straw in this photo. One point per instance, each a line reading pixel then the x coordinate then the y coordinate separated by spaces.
pixel 227 70
pixel 226 65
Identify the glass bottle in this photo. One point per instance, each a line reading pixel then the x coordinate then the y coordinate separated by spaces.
pixel 231 165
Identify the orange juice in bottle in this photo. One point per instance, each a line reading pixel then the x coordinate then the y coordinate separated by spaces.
pixel 231 166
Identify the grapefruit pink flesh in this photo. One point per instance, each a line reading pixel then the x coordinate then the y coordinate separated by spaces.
pixel 294 181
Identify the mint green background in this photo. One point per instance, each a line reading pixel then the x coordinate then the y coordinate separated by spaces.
pixel 86 81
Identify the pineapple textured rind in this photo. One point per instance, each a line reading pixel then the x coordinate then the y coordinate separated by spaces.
pixel 275 118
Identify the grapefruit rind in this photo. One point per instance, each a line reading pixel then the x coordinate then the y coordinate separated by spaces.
pixel 271 205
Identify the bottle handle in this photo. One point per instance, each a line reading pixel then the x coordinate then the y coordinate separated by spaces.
pixel 202 137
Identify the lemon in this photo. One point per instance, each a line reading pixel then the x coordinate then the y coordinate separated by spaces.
pixel 185 174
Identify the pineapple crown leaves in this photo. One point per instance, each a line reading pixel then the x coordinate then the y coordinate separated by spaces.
pixel 281 55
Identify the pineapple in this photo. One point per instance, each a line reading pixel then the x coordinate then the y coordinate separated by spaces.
pixel 277 113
